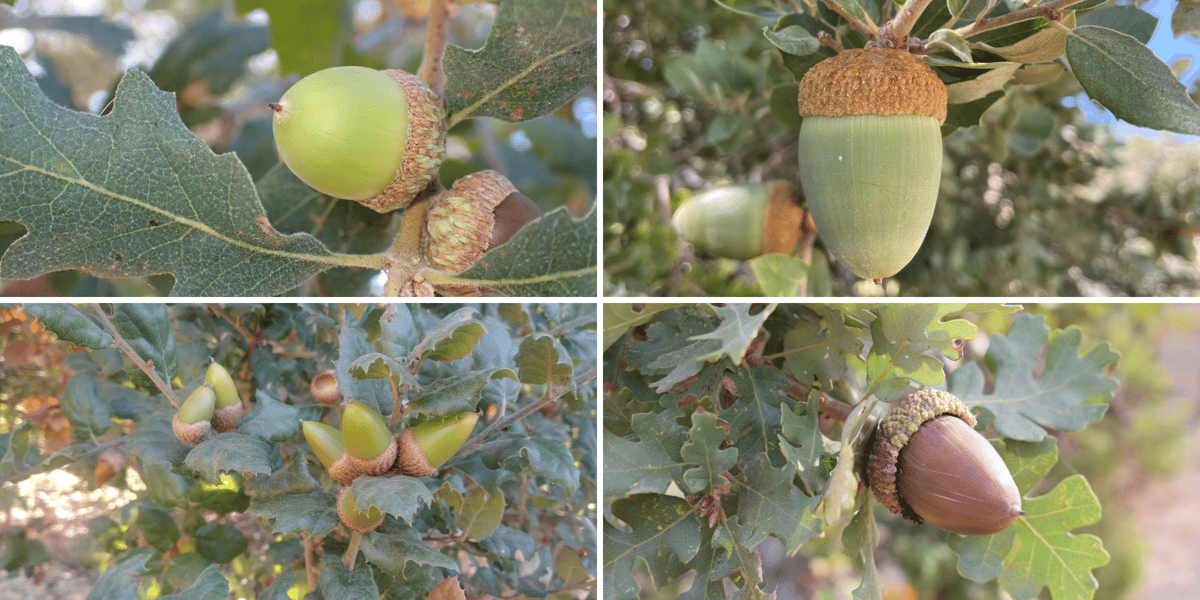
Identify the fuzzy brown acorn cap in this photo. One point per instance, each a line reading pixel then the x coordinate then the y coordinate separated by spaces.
pixel 872 81
pixel 783 223
pixel 346 469
pixel 410 458
pixel 376 466
pixel 458 227
pixel 894 432
pixel 190 433
pixel 226 418
pixel 424 149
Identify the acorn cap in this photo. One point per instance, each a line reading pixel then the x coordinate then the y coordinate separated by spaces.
pixel 784 221
pixel 410 459
pixel 929 464
pixel 872 81
pixel 226 418
pixel 354 518
pixel 424 149
pixel 324 389
pixel 458 227
pixel 190 433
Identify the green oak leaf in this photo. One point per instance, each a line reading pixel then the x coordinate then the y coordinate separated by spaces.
pixel 308 35
pixel 663 533
pixel 704 450
pixel 754 416
pixel 210 584
pixel 271 420
pixel 229 452
pixel 546 458
pixel 175 208
pixel 314 513
pixel 71 324
pixel 538 55
pixel 338 582
pixel 541 359
pixel 619 318
pixel 397 495
pixel 147 329
pixel 650 464
pixel 805 446
pixel 1068 392
pixel 816 347
pixel 768 504
pixel 121 581
pixel 552 256
pixel 737 329
pixel 903 336
pixel 456 393
pixel 453 337
pixel 89 414
pixel 395 543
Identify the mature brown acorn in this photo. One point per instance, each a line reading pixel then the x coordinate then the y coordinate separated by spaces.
pixel 929 464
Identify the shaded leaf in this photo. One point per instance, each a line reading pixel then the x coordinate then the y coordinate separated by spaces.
pixel 541 359
pixel 457 393
pixel 481 513
pixel 545 458
pixel 704 450
pixel 453 337
pixel 337 582
pixel 147 329
pixel 394 544
pixel 1130 20
pixel 815 348
pixel 903 336
pixel 660 528
pixel 71 324
pixel 793 40
pixel 374 393
pixel 314 513
pixel 234 452
pixel 89 414
pixel 538 55
pixel 619 318
pixel 554 256
pixel 806 447
pixel 272 420
pixel 308 35
pixel 397 495
pixel 768 504
pixel 121 581
pixel 648 465
pixel 737 329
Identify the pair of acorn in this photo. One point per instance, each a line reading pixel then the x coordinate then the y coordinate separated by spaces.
pixel 365 446
pixel 214 406
pixel 870 150
pixel 379 138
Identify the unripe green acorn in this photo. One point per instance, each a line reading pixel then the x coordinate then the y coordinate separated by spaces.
pixel 930 465
pixel 191 422
pixel 743 221
pixel 354 518
pixel 368 439
pixel 479 212
pixel 871 155
pixel 376 137
pixel 229 402
pixel 424 448
pixel 326 441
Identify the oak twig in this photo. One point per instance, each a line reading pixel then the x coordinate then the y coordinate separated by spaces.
pixel 1051 11
pixel 146 366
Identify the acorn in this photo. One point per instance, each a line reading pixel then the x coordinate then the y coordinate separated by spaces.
pixel 229 403
pixel 479 212
pixel 425 447
pixel 191 422
pixel 324 389
pixel 871 155
pixel 329 446
pixel 369 441
pixel 354 518
pixel 929 464
pixel 376 137
pixel 743 221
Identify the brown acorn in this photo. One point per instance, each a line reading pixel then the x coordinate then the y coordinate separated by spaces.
pixel 324 388
pixel 929 464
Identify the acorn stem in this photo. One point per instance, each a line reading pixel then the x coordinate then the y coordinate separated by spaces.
pixel 405 252
pixel 146 366
pixel 352 550
pixel 896 31
pixel 435 46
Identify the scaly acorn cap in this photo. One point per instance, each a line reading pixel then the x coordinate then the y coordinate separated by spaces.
pixel 872 81
pixel 427 446
pixel 229 402
pixel 424 149
pixel 929 464
pixel 459 224
pixel 353 517
pixel 191 422
pixel 369 441
pixel 324 389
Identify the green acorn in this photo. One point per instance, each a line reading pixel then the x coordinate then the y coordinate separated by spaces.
pixel 743 221
pixel 369 441
pixel 930 465
pixel 191 422
pixel 871 155
pixel 330 447
pixel 424 448
pixel 229 402
pixel 353 517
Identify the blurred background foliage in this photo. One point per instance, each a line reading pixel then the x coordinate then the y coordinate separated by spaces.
pixel 1036 201
pixel 225 60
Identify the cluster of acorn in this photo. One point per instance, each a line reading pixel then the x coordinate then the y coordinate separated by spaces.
pixel 870 150
pixel 379 138
pixel 214 406
pixel 365 446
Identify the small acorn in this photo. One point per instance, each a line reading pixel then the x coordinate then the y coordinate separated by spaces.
pixel 480 211
pixel 425 447
pixel 369 441
pixel 930 465
pixel 330 447
pixel 354 518
pixel 229 402
pixel 871 155
pixel 324 389
pixel 743 221
pixel 191 422
pixel 376 137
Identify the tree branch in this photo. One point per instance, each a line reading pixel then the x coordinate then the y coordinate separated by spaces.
pixel 553 393
pixel 127 350
pixel 435 46
pixel 895 33
pixel 867 29
pixel 1051 11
